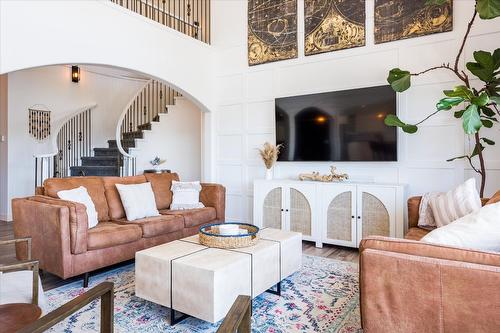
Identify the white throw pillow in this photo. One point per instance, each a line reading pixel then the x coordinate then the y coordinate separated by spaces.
pixel 425 215
pixel 186 195
pixel 81 195
pixel 456 203
pixel 138 200
pixel 479 230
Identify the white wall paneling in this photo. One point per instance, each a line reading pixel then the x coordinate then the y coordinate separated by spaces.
pixel 422 157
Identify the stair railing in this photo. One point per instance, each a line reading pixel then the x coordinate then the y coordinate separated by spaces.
pixel 73 139
pixel 191 17
pixel 144 108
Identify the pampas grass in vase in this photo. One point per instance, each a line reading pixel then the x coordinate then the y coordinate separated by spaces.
pixel 269 154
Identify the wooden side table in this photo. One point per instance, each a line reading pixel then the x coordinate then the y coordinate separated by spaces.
pixel 15 316
pixel 157 171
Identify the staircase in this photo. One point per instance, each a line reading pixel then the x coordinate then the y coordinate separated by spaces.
pixel 107 161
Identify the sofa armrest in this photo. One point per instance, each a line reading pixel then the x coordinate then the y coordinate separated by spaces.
pixel 78 221
pixel 214 195
pixel 429 250
pixel 48 226
pixel 409 286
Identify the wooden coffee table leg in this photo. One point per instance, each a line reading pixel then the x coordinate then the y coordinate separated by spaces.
pixel 174 320
pixel 277 291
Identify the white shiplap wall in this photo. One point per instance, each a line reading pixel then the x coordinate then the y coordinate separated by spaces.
pixel 244 114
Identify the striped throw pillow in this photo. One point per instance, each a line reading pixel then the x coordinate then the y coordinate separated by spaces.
pixel 456 203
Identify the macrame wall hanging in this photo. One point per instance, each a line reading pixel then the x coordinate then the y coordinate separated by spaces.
pixel 39 122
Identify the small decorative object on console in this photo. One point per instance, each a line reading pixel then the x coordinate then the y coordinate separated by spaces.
pixel 156 162
pixel 228 235
pixel 332 177
pixel 269 154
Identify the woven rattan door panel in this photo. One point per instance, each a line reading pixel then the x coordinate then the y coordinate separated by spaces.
pixel 339 218
pixel 272 210
pixel 376 210
pixel 337 214
pixel 300 213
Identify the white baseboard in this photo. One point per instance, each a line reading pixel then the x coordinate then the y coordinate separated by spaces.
pixel 4 217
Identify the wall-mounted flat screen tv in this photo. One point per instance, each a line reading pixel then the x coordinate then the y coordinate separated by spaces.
pixel 343 125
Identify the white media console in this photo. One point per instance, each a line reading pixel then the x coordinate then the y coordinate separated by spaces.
pixel 334 213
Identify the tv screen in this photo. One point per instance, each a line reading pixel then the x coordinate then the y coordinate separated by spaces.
pixel 337 126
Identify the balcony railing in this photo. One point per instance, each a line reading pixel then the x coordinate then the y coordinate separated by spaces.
pixel 191 17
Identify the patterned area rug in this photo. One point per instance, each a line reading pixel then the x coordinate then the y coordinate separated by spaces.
pixel 321 297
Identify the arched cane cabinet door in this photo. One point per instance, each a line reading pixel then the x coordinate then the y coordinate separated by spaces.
pixel 338 207
pixel 300 213
pixel 272 216
pixel 377 211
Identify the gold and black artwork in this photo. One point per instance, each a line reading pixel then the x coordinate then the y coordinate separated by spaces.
pixel 39 124
pixel 272 30
pixel 401 19
pixel 333 25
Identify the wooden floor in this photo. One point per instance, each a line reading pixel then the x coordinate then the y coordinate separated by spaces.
pixel 49 281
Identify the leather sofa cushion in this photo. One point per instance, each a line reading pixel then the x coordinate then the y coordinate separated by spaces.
pixel 156 225
pixel 416 233
pixel 116 210
pixel 494 199
pixel 193 217
pixel 108 234
pixel 94 186
pixel 161 184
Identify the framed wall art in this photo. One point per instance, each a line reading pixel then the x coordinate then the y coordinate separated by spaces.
pixel 272 30
pixel 401 19
pixel 332 25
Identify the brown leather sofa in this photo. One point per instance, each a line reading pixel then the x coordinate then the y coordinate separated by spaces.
pixel 64 245
pixel 410 286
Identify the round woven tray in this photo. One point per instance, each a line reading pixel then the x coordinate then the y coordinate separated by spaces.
pixel 209 236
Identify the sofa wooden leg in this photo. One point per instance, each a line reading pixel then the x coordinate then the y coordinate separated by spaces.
pixel 85 280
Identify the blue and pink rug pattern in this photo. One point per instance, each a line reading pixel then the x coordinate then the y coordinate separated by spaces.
pixel 322 297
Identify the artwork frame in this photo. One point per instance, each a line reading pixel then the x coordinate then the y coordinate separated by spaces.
pixel 399 19
pixel 333 25
pixel 272 31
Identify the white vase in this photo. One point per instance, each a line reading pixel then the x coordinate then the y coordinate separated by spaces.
pixel 269 174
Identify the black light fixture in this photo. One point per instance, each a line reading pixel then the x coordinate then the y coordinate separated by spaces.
pixel 75 74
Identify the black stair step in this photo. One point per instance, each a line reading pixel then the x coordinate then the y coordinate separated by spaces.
pixel 106 152
pixel 144 127
pixel 100 161
pixel 133 135
pixel 95 171
pixel 129 143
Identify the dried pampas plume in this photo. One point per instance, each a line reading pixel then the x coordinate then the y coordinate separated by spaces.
pixel 269 154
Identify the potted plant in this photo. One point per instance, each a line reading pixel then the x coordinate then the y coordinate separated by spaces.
pixel 478 107
pixel 269 154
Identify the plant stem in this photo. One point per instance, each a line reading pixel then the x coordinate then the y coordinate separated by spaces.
pixel 460 51
pixel 482 166
pixel 443 66
pixel 421 121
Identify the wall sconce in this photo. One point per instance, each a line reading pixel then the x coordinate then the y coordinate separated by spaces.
pixel 75 74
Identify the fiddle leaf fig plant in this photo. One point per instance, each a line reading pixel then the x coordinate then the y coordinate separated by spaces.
pixel 476 107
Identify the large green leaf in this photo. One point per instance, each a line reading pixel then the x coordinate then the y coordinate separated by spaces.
pixel 484 67
pixel 477 149
pixel 471 120
pixel 448 102
pixel 460 91
pixel 488 141
pixel 487 111
pixel 481 100
pixel 399 80
pixel 392 120
pixel 496 58
pixel 459 114
pixel 488 9
pixel 487 123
